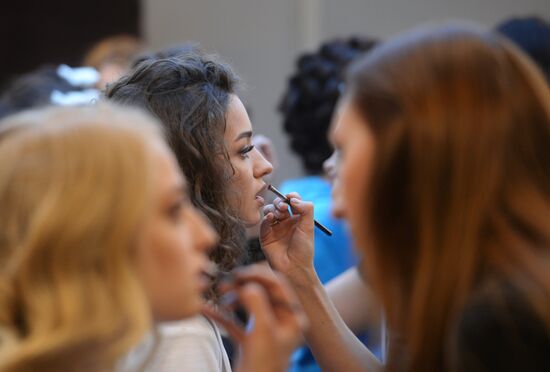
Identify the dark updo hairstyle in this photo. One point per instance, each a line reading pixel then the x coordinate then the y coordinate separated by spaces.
pixel 311 95
pixel 190 94
pixel 32 90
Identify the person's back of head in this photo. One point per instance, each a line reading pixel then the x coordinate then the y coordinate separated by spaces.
pixel 48 85
pixel 190 92
pixel 459 185
pixel 72 200
pixel 174 51
pixel 113 56
pixel 33 89
pixel 311 95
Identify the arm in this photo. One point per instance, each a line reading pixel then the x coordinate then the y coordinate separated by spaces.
pixel 288 245
pixel 354 301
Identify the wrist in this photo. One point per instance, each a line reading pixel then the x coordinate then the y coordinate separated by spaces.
pixel 302 278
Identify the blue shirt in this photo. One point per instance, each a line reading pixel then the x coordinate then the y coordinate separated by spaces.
pixel 333 254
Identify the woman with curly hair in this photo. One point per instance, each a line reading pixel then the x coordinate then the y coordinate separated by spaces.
pixel 207 127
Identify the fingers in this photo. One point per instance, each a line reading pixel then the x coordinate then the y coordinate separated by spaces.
pixel 279 210
pixel 293 194
pixel 301 207
pixel 279 292
pixel 273 283
pixel 256 302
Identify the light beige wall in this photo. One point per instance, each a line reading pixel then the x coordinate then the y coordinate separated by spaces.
pixel 261 38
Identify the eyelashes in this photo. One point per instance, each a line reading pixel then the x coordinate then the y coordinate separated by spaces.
pixel 244 151
pixel 175 210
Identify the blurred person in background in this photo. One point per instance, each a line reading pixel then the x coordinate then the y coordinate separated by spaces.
pixel 50 85
pixel 307 107
pixel 113 57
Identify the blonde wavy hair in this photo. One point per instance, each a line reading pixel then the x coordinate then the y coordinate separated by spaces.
pixel 74 188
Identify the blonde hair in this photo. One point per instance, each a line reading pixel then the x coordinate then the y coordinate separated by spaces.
pixel 74 188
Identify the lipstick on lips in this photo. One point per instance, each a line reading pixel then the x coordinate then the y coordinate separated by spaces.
pixel 319 225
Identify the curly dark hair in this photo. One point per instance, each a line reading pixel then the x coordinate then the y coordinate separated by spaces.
pixel 190 94
pixel 311 95
pixel 32 89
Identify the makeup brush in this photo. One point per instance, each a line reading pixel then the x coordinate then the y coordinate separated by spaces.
pixel 319 225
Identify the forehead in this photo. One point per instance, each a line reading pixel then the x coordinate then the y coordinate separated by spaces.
pixel 344 117
pixel 237 120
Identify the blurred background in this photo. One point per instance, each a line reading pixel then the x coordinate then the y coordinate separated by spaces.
pixel 260 38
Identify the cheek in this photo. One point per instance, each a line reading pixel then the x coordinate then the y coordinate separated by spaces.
pixel 164 259
pixel 338 200
pixel 242 188
pixel 352 184
pixel 171 255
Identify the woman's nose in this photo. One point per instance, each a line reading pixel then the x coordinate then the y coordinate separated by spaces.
pixel 262 167
pixel 329 166
pixel 206 235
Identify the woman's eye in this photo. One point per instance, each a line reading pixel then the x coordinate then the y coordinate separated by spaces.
pixel 244 151
pixel 175 210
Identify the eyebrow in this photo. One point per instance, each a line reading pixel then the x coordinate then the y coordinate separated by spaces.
pixel 247 134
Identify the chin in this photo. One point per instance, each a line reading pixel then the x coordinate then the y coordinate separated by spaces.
pixel 184 310
pixel 189 311
pixel 252 219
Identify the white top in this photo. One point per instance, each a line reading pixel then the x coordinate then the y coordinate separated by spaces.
pixel 190 345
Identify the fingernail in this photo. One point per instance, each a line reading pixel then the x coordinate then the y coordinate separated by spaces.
pixel 228 299
pixel 294 201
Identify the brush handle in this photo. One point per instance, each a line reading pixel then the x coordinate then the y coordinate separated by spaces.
pixel 317 224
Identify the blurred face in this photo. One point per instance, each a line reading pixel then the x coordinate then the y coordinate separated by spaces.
pixel 174 244
pixel 354 141
pixel 330 166
pixel 249 164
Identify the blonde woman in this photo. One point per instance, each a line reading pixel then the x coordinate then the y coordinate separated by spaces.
pixel 99 241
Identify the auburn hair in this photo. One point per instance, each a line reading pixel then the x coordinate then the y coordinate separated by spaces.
pixel 460 187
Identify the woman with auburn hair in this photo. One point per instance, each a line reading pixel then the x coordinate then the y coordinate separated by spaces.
pixel 445 181
pixel 99 242
pixel 195 97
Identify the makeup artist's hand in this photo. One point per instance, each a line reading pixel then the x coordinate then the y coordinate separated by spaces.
pixel 287 239
pixel 277 319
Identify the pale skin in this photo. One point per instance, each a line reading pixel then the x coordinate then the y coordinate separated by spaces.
pixel 351 296
pixel 174 241
pixel 249 164
pixel 171 260
pixel 278 318
pixel 288 245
